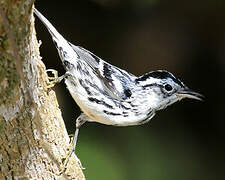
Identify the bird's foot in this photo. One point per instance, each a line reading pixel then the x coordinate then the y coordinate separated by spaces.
pixel 71 151
pixel 52 80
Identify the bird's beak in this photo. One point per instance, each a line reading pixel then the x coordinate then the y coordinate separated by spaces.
pixel 188 93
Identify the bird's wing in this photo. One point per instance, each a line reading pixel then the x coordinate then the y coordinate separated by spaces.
pixel 117 82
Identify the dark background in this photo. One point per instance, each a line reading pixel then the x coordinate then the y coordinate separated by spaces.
pixel 185 141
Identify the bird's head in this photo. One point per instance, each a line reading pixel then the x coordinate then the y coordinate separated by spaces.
pixel 163 89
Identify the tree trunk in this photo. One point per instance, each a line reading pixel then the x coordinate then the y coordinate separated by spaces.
pixel 33 138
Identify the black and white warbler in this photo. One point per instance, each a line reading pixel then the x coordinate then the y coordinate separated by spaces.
pixel 109 95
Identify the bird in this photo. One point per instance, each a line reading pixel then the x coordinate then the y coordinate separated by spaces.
pixel 110 95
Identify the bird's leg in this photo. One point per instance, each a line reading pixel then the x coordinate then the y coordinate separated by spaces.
pixel 80 120
pixel 55 79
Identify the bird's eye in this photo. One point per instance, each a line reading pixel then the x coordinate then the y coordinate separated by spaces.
pixel 168 87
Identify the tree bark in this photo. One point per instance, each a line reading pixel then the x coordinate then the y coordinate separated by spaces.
pixel 33 137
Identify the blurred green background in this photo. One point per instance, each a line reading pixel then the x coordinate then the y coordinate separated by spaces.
pixel 185 141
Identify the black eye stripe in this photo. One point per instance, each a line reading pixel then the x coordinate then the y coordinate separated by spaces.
pixel 152 85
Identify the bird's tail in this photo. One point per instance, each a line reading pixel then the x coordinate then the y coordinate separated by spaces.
pixel 65 50
pixel 56 36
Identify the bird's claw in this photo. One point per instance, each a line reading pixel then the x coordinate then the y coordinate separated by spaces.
pixel 52 80
pixel 67 157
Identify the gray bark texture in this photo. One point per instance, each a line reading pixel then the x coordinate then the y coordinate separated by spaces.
pixel 33 137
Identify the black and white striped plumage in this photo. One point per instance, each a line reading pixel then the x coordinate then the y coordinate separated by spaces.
pixel 110 95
